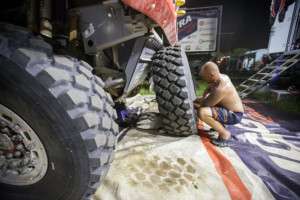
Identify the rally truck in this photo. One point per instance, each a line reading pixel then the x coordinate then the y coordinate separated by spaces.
pixel 64 64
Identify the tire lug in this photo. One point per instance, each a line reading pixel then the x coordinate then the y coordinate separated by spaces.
pixel 8 155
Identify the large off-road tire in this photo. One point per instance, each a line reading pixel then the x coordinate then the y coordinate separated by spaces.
pixel 55 113
pixel 174 90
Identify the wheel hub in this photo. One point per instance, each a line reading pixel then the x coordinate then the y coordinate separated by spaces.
pixel 23 159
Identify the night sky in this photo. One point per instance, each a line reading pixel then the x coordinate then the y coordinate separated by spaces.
pixel 247 19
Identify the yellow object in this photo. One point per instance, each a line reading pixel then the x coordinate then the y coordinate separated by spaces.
pixel 179 2
pixel 180 13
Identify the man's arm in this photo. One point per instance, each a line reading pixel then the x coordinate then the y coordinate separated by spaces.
pixel 213 98
pixel 198 101
pixel 206 91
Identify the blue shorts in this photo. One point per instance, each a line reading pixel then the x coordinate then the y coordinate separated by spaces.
pixel 225 116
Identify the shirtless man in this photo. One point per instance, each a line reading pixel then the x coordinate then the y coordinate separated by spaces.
pixel 220 104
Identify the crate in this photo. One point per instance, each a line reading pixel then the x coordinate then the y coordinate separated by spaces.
pixel 279 95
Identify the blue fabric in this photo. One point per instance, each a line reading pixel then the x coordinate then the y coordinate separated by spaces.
pixel 225 116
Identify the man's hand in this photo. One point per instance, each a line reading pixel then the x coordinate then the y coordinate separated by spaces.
pixel 198 102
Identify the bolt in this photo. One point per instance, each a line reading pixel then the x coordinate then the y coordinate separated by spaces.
pixel 19 147
pixel 165 21
pixel 8 155
pixel 19 137
pixel 14 137
pixel 17 154
pixel 23 172
pixel 3 124
pixel 25 161
pixel 152 7
pixel 34 161
pixel 30 146
pixel 4 130
pixel 26 153
pixel 12 165
pixel 6 172
pixel 16 128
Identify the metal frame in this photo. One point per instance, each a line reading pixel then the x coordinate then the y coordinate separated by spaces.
pixel 103 26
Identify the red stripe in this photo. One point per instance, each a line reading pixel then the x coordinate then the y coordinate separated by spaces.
pixel 272 9
pixel 232 181
pixel 281 6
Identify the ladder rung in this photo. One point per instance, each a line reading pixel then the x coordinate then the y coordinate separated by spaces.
pixel 270 67
pixel 264 74
pixel 242 94
pixel 262 81
pixel 282 68
pixel 245 86
pixel 281 60
pixel 250 79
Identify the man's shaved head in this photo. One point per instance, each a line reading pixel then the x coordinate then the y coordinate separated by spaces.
pixel 210 72
pixel 210 67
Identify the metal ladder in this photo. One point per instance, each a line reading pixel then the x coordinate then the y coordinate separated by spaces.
pixel 263 76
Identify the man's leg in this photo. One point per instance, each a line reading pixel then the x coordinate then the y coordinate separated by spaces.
pixel 205 115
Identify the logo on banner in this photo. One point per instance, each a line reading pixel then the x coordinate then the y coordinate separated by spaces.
pixel 184 21
pixel 207 34
pixel 206 29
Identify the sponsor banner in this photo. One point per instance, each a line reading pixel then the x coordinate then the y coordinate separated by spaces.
pixel 197 31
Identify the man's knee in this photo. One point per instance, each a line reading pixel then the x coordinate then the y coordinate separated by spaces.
pixel 203 113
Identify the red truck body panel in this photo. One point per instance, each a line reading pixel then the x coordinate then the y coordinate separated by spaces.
pixel 162 12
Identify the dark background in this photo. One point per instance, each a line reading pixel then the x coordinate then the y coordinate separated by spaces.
pixel 247 20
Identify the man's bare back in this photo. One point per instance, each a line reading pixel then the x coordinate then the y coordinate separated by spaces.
pixel 231 99
pixel 221 94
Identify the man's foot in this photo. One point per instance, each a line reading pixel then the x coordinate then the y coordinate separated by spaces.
pixel 221 142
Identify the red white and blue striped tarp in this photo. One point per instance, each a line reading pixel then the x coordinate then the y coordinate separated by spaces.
pixel 261 162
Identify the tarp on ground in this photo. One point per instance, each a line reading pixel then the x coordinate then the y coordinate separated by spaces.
pixel 262 161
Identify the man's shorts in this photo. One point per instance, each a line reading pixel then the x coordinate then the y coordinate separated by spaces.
pixel 225 116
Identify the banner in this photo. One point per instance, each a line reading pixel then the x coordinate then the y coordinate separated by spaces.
pixel 198 30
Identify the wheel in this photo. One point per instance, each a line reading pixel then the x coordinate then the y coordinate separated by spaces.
pixel 57 129
pixel 174 90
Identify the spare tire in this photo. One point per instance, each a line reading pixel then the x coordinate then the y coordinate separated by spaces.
pixel 174 90
pixel 57 128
